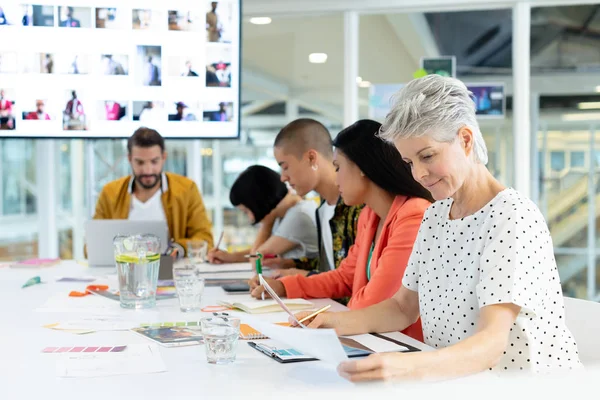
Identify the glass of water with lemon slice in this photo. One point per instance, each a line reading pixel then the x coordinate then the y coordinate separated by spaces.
pixel 138 260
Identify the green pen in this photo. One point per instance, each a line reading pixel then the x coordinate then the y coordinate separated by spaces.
pixel 258 263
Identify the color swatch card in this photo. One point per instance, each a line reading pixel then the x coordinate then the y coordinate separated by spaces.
pixel 286 354
pixel 85 349
pixel 135 359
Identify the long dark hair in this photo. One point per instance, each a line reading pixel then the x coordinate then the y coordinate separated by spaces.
pixel 259 189
pixel 378 160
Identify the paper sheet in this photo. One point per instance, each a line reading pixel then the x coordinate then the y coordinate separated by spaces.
pixel 95 323
pixel 136 359
pixel 61 302
pixel 319 343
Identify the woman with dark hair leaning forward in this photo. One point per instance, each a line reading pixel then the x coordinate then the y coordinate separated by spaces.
pixel 370 171
pixel 482 276
pixel 287 222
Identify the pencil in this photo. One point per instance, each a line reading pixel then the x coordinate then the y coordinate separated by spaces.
pixel 220 239
pixel 319 311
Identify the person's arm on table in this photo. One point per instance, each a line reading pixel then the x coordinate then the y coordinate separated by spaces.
pixel 331 284
pixel 475 354
pixel 216 256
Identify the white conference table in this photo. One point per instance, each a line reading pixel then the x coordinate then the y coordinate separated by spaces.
pixel 25 372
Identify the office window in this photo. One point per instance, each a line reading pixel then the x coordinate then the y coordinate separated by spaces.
pixel 557 160
pixel 577 159
pixel 18 236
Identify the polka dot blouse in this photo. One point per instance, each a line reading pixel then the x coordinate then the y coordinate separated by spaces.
pixel 501 254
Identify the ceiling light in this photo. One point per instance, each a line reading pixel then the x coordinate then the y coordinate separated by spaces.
pixel 317 58
pixel 364 84
pixel 589 105
pixel 260 20
pixel 581 117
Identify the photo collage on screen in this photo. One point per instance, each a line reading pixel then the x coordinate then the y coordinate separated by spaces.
pixel 86 71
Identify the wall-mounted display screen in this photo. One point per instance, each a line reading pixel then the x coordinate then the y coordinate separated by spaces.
pixel 80 70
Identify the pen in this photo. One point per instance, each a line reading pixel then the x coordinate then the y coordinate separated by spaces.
pixel 258 265
pixel 220 239
pixel 265 256
pixel 319 311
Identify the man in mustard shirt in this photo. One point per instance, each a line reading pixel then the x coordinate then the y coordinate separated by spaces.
pixel 151 194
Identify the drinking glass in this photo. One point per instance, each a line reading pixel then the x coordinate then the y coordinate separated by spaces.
pixel 189 286
pixel 137 258
pixel 197 251
pixel 221 335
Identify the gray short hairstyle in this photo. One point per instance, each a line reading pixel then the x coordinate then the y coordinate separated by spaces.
pixel 435 106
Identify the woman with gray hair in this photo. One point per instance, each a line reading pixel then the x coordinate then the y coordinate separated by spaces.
pixel 482 274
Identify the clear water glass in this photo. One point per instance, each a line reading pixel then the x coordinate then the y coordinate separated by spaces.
pixel 189 286
pixel 221 336
pixel 197 251
pixel 137 258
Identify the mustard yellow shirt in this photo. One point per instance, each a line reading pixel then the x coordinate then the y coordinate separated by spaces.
pixel 182 203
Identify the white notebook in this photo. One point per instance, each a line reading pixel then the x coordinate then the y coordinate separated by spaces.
pixel 268 306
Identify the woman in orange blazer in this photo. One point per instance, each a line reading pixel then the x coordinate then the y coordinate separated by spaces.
pixel 370 171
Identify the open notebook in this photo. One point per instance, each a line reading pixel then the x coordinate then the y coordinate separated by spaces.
pixel 252 306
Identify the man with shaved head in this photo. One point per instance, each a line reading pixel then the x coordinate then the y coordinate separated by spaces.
pixel 304 151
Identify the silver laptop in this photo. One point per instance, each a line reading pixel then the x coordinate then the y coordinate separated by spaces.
pixel 99 235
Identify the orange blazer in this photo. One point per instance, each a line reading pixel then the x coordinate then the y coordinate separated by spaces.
pixel 388 262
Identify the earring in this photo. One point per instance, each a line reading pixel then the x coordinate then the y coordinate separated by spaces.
pixel 362 173
pixel 314 167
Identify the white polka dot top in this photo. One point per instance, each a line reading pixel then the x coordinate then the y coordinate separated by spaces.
pixel 501 254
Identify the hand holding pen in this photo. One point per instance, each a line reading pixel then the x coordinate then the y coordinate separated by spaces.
pixel 216 256
pixel 258 265
pixel 258 291
pixel 316 319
